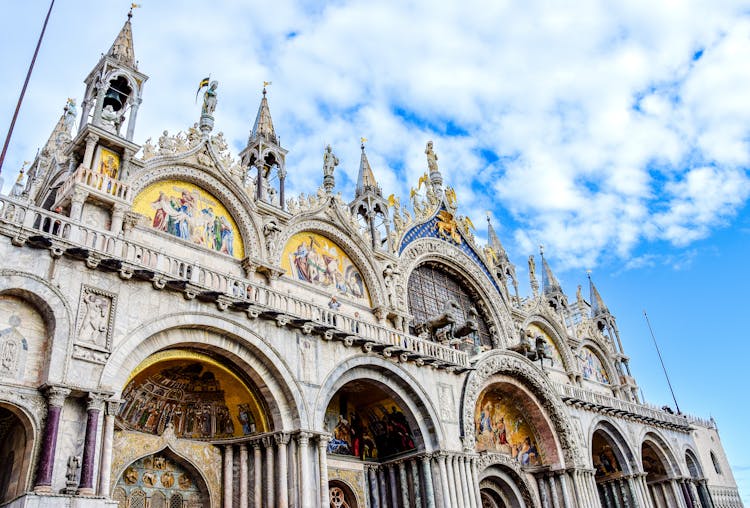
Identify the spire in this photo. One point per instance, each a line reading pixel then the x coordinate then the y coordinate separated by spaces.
pixel 549 281
pixel 597 304
pixel 495 241
pixel 263 124
pixel 366 178
pixel 122 48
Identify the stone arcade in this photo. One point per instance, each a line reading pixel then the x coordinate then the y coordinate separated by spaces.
pixel 175 331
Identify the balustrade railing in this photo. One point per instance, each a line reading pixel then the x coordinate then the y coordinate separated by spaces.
pixel 644 410
pixel 98 182
pixel 32 221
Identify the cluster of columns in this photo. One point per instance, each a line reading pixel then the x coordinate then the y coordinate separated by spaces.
pixel 679 492
pixel 96 402
pixel 436 480
pixel 276 470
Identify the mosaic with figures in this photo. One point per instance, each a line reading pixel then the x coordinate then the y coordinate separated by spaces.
pixel 190 213
pixel 367 424
pixel 502 426
pixel 592 366
pixel 199 398
pixel 157 481
pixel 313 258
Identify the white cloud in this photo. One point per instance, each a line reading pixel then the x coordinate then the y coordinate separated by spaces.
pixel 604 133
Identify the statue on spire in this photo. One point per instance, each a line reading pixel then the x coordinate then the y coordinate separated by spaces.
pixel 330 161
pixel 432 158
pixel 209 99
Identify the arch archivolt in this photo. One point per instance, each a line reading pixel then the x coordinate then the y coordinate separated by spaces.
pixel 689 451
pixel 226 191
pixel 236 344
pixel 616 438
pixel 431 249
pixel 30 409
pixel 509 367
pixel 493 466
pixel 654 438
pixel 394 380
pixel 56 314
pixel 359 253
pixel 601 352
pixel 553 331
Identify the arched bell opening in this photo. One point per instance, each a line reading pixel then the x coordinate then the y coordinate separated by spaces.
pixel 446 308
pixel 500 487
pixel 369 421
pixel 117 94
pixel 340 495
pixel 161 480
pixel 16 451
pixel 612 460
pixel 198 395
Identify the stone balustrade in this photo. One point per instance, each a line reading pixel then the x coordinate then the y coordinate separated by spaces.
pixel 97 183
pixel 25 223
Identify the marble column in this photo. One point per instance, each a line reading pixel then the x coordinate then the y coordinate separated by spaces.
pixel 111 408
pixel 403 483
pixel 93 408
pixel 615 494
pixel 475 480
pixel 88 155
pixel 257 475
pixel 429 491
pixel 118 213
pixel 444 483
pixel 131 120
pixel 392 484
pixel 282 471
pixel 466 474
pixel 464 499
pixel 76 205
pixel 243 475
pixel 55 399
pixel 686 494
pixel 414 465
pixel 292 483
pixel 323 466
pixel 303 446
pixel 563 479
pixel 543 491
pixel 452 484
pixel 372 480
pixel 270 472
pixel 228 476
pixel 382 484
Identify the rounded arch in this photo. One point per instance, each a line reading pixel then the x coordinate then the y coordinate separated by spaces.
pixel 396 382
pixel 237 344
pixel 17 449
pixel 600 352
pixel 211 496
pixel 433 250
pixel 614 436
pixel 218 185
pixel 504 486
pixel 513 367
pixel 553 330
pixel 351 244
pixel 664 452
pixel 695 470
pixel 341 494
pixel 117 72
pixel 55 311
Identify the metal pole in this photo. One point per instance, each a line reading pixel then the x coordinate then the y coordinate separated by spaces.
pixel 662 362
pixel 23 90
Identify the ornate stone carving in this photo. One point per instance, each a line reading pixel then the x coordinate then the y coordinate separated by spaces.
pixel 513 365
pixel 96 316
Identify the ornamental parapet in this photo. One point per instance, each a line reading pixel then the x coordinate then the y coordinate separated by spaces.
pixel 29 225
pixel 592 401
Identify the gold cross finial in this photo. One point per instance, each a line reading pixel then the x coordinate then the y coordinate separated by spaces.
pixel 266 83
pixel 363 140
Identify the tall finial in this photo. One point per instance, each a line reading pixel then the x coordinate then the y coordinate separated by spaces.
pixel 362 143
pixel 541 250
pixel 132 6
pixel 265 84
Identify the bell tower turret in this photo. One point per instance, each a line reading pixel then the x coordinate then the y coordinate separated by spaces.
pixel 369 206
pixel 264 153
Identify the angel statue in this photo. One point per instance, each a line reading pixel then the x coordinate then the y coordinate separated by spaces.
pixel 330 161
pixel 432 158
pixel 209 99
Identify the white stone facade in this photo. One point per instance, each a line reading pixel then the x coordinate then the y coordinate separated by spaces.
pixel 90 292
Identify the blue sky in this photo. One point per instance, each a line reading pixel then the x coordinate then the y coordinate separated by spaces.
pixel 616 135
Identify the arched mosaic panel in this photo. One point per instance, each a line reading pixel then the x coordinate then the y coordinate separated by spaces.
pixel 502 426
pixel 200 397
pixel 592 367
pixel 154 479
pixel 184 210
pixel 315 259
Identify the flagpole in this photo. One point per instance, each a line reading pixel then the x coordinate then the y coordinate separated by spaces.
pixel 23 90
pixel 662 362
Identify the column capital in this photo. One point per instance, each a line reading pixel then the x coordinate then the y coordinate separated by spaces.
pixel 112 406
pixel 95 401
pixel 56 395
pixel 282 439
pixel 91 138
pixel 256 444
pixel 303 438
pixel 267 441
pixel 323 440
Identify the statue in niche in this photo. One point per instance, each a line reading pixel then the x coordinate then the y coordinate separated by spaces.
pixel 70 114
pixel 432 158
pixel 95 319
pixel 209 99
pixel 330 161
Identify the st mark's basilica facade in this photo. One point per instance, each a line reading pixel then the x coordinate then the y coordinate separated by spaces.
pixel 175 331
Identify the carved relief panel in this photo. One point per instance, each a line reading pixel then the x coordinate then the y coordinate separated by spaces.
pixel 94 326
